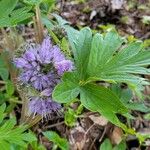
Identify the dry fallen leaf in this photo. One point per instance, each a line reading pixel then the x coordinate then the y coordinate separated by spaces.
pixel 116 136
pixel 100 120
pixel 117 4
pixel 77 138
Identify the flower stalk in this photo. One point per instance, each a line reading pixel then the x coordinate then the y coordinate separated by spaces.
pixel 38 25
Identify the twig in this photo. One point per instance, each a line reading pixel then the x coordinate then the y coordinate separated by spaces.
pixel 2 82
pixel 53 125
pixel 24 107
pixel 91 146
pixel 89 128
pixel 103 134
pixel 2 89
pixel 32 121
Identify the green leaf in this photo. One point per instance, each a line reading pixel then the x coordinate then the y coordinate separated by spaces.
pixel 11 135
pixel 49 5
pixel 20 14
pixel 54 137
pixel 93 97
pixel 2 98
pixel 109 61
pixel 147 116
pixel 3 69
pixel 125 96
pixel 65 46
pixel 5 22
pixel 36 146
pixel 67 90
pixel 2 63
pixel 7 126
pixel 6 6
pixel 47 22
pixel 60 20
pixel 106 145
pixel 120 146
pixel 4 74
pixel 10 88
pixel 100 99
pixel 2 109
pixel 4 145
pixel 138 106
pixel 32 2
pixel 81 47
pixel 15 17
pixel 104 98
pixel 70 117
pixel 30 137
pixel 123 63
pixel 102 50
pixel 72 35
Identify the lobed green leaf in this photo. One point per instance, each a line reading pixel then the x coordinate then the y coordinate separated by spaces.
pixel 6 6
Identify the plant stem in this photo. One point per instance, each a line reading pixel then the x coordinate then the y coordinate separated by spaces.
pixel 24 108
pixel 38 25
pixel 15 101
pixel 2 82
pixel 32 121
pixel 56 40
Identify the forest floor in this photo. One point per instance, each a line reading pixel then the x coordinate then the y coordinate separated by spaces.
pixel 131 19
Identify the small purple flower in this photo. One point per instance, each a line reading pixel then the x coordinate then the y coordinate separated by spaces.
pixel 30 55
pixel 57 54
pixel 45 51
pixel 46 92
pixel 63 66
pixel 26 76
pixel 22 63
pixel 43 106
pixel 40 81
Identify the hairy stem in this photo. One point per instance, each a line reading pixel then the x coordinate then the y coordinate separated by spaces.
pixel 38 25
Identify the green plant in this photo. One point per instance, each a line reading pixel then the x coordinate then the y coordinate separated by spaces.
pixel 9 16
pixel 146 20
pixel 97 59
pixel 106 145
pixel 4 73
pixel 71 115
pixel 12 135
pixel 126 96
pixel 57 140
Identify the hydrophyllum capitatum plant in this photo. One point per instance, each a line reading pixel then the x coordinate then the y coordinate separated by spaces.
pixel 103 57
pixel 41 67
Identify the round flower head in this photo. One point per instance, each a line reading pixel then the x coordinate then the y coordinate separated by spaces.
pixel 38 65
pixel 41 67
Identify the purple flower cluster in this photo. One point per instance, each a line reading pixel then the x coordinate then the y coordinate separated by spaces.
pixel 43 106
pixel 41 67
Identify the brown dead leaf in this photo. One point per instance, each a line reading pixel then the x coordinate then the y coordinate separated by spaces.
pixel 117 4
pixel 100 120
pixel 116 136
pixel 77 138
